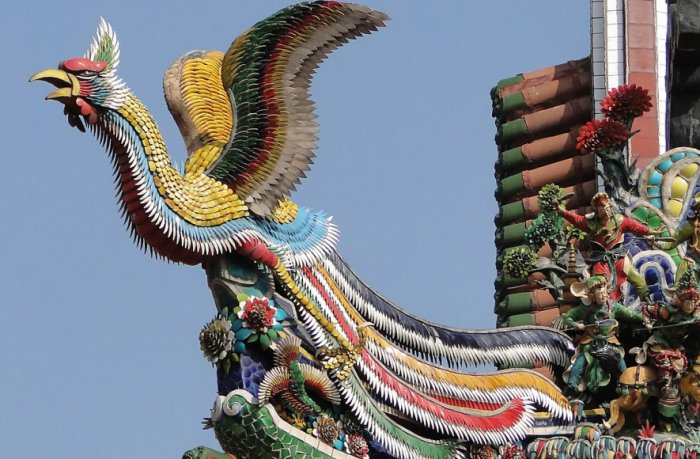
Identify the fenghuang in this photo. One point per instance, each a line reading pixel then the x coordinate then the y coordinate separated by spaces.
pixel 310 361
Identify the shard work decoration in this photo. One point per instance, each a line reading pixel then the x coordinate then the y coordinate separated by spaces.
pixel 616 270
pixel 312 362
pixel 303 348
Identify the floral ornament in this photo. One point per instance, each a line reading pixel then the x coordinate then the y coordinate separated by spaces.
pixel 626 102
pixel 571 232
pixel 350 425
pixel 647 430
pixel 481 452
pixel 513 452
pixel 597 136
pixel 216 340
pixel 518 262
pixel 357 446
pixel 256 319
pixel 326 429
pixel 548 197
pixel 257 314
pixel 546 227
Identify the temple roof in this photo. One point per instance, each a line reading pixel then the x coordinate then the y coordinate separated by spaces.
pixel 538 116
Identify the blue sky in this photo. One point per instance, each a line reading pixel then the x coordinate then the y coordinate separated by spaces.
pixel 98 342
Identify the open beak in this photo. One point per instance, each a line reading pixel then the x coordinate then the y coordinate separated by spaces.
pixel 67 93
pixel 67 84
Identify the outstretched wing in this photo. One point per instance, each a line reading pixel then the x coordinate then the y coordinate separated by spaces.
pixel 267 72
pixel 201 107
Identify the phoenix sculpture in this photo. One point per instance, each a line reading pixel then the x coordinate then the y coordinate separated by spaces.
pixel 396 381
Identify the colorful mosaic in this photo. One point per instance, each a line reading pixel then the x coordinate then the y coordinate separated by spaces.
pixel 312 362
pixel 623 281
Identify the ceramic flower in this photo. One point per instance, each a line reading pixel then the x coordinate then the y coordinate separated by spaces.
pixel 257 313
pixel 216 339
pixel 598 135
pixel 326 429
pixel 357 446
pixel 256 319
pixel 519 261
pixel 626 102
pixel 513 452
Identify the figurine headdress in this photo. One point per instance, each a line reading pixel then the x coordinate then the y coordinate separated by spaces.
pixel 584 290
pixel 686 288
pixel 599 199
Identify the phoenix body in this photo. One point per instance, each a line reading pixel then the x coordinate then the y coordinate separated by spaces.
pixel 248 124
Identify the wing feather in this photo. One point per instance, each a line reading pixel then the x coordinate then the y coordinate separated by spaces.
pixel 200 106
pixel 267 72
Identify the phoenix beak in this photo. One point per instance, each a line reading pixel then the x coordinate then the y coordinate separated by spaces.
pixel 67 84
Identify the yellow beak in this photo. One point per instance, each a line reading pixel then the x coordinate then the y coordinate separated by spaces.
pixel 67 84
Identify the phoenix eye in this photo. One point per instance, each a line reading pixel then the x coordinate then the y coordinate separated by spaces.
pixel 86 74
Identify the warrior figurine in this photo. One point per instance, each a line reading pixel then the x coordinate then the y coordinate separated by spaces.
pixel 599 356
pixel 607 254
pixel 673 322
pixel 689 232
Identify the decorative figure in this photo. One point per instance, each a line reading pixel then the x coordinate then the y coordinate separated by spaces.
pixel 247 121
pixel 690 392
pixel 662 361
pixel 636 385
pixel 599 356
pixel 288 381
pixel 665 349
pixel 673 323
pixel 690 233
pixel 607 254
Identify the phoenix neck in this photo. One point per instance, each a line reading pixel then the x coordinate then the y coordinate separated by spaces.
pixel 140 160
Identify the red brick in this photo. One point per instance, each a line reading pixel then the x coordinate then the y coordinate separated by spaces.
pixel 644 148
pixel 644 162
pixel 646 80
pixel 639 12
pixel 641 60
pixel 648 125
pixel 645 138
pixel 640 36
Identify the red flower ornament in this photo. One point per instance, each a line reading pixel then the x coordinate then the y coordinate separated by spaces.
pixel 598 135
pixel 626 102
pixel 257 314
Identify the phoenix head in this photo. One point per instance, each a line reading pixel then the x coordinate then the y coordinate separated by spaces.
pixel 86 85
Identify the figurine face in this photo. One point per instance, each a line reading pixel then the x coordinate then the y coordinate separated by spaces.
pixel 600 295
pixel 603 212
pixel 688 306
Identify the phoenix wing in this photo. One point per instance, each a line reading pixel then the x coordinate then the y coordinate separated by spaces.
pixel 246 116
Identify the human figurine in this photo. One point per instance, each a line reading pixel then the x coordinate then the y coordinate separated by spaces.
pixel 665 349
pixel 599 355
pixel 690 232
pixel 673 322
pixel 606 231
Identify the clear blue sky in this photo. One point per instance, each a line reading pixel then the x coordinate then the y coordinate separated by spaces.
pixel 98 342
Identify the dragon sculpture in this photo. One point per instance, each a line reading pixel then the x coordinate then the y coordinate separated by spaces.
pixel 248 125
